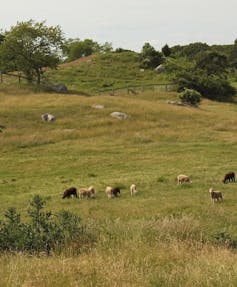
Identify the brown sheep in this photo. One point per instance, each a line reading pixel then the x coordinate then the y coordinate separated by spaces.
pixel 215 195
pixel 133 189
pixel 183 178
pixel 229 177
pixel 70 191
pixel 87 192
pixel 112 191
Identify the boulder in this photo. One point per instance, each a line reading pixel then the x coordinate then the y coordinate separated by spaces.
pixel 119 115
pixel 59 88
pixel 160 68
pixel 99 107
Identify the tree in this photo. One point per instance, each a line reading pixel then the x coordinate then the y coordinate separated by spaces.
pixel 212 63
pixel 191 51
pixel 233 55
pixel 213 87
pixel 149 57
pixel 30 47
pixel 106 47
pixel 1 38
pixel 166 51
pixel 76 48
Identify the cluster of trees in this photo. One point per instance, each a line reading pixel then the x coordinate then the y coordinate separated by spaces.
pixel 30 47
pixel 75 48
pixel 204 69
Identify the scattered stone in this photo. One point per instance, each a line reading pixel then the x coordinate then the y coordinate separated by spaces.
pixel 60 88
pixel 178 103
pixel 119 115
pixel 160 68
pixel 99 107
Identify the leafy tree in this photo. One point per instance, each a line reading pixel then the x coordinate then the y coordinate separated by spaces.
pixel 75 48
pixel 166 51
pixel 30 47
pixel 149 57
pixel 233 55
pixel 212 63
pixel 190 51
pixel 106 47
pixel 1 38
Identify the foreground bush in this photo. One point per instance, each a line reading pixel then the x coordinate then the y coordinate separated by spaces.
pixel 191 97
pixel 45 231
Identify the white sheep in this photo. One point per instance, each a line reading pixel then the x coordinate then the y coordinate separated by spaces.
pixel 112 191
pixel 87 192
pixel 183 178
pixel 133 189
pixel 48 117
pixel 108 191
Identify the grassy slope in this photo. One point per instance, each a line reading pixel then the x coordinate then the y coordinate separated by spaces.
pixel 98 72
pixel 163 236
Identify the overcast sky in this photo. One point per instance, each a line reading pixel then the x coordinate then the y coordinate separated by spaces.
pixel 131 23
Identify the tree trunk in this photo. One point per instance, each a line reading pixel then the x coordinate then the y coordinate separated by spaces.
pixel 38 77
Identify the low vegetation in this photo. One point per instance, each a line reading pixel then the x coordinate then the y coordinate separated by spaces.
pixel 191 97
pixel 46 232
pixel 165 235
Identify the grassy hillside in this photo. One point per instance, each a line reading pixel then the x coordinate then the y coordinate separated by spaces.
pixel 168 235
pixel 91 74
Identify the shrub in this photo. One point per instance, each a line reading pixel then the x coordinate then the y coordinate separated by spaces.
pixel 212 87
pixel 191 97
pixel 45 231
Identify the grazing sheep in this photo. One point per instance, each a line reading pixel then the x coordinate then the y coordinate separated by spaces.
pixel 108 191
pixel 183 178
pixel 70 191
pixel 229 177
pixel 48 117
pixel 215 195
pixel 133 189
pixel 87 192
pixel 112 191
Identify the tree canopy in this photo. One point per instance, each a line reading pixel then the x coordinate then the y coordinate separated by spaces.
pixel 149 57
pixel 213 63
pixel 29 47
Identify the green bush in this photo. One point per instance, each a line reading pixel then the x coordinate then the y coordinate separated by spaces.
pixel 213 87
pixel 45 231
pixel 191 97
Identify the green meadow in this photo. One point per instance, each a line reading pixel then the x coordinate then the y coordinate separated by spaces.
pixel 166 235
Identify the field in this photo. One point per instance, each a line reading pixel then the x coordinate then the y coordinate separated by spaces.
pixel 167 235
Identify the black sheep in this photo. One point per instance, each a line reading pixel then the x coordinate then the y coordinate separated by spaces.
pixel 229 177
pixel 70 191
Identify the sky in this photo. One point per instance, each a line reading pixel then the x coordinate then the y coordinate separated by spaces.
pixel 131 23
